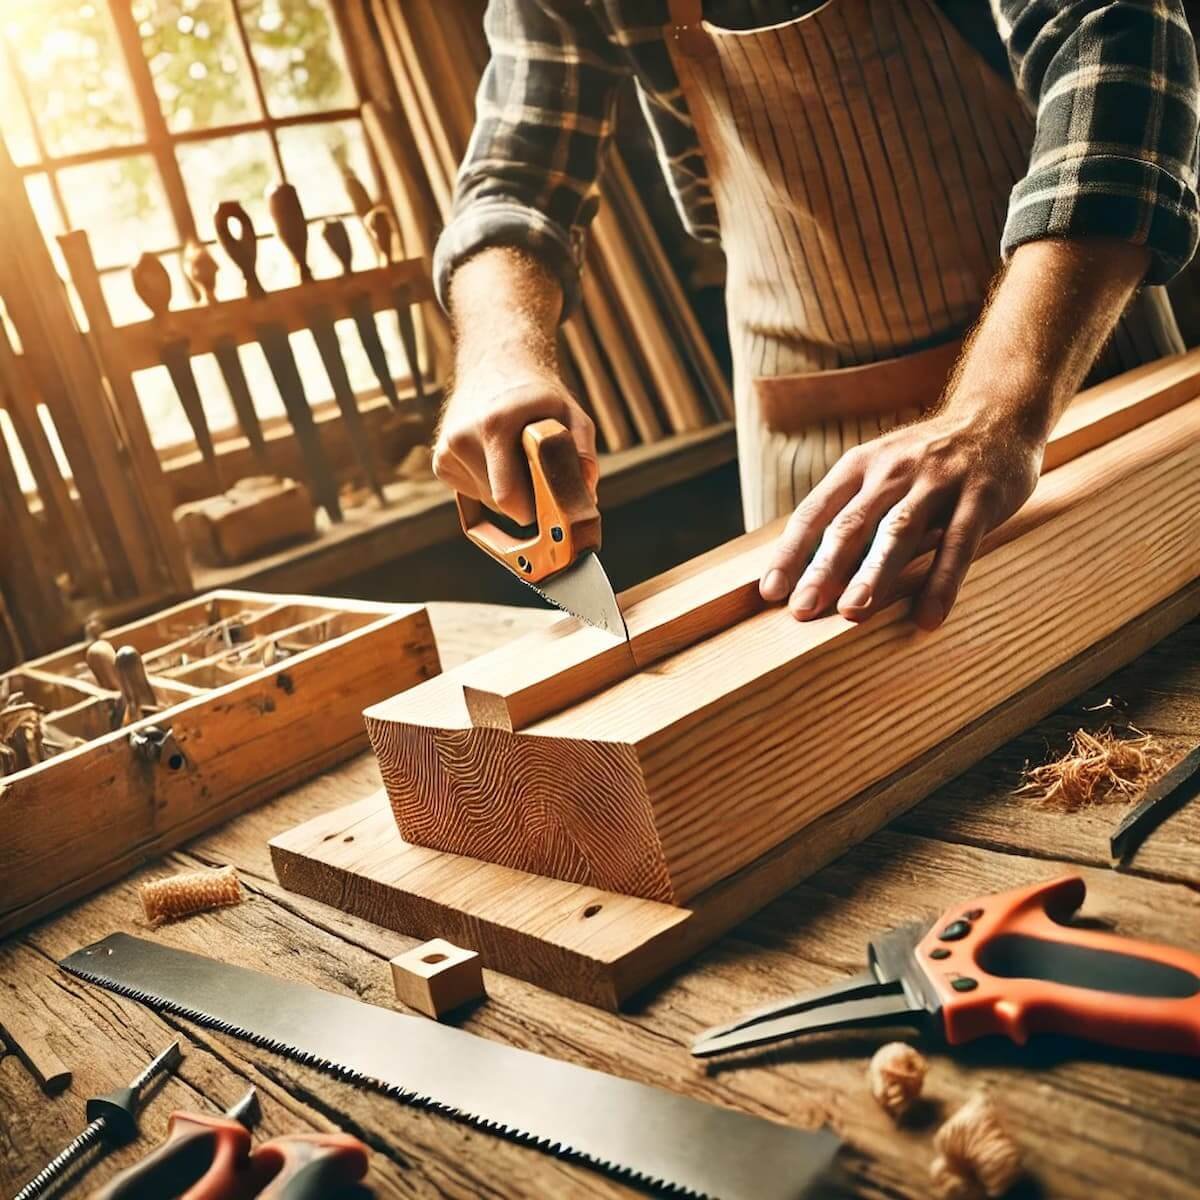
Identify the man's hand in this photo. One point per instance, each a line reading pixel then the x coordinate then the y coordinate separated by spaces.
pixel 940 482
pixel 478 450
pixel 943 482
pixel 505 306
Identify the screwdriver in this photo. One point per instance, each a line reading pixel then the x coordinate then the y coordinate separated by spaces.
pixel 205 1157
pixel 112 1121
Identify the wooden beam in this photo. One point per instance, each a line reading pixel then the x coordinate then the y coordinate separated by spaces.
pixel 601 947
pixel 519 684
pixel 676 777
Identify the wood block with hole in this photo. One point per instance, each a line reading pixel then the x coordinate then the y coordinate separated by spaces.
pixel 437 977
pixel 661 782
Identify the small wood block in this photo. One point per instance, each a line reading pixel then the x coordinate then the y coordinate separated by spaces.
pixel 437 976
pixel 256 515
pixel 27 1039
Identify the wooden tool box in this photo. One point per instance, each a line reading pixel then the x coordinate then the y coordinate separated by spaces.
pixel 257 692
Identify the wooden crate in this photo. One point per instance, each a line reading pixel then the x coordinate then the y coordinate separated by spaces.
pixel 240 730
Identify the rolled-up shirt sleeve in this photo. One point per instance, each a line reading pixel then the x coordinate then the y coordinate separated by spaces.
pixel 543 117
pixel 1114 88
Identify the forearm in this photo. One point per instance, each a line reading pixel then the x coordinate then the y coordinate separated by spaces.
pixel 505 306
pixel 1047 320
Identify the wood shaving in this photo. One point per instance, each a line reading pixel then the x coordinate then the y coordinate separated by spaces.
pixel 1099 768
pixel 192 892
pixel 21 734
pixel 976 1155
pixel 896 1075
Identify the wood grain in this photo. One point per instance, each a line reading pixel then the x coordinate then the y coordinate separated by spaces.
pixel 521 684
pixel 714 729
pixel 603 947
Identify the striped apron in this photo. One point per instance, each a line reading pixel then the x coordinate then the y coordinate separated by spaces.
pixel 861 158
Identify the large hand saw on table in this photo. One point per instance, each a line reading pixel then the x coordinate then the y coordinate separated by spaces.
pixel 642 1133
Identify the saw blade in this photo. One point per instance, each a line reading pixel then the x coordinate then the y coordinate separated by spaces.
pixel 630 1129
pixel 584 591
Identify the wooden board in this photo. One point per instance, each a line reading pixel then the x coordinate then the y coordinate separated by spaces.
pixel 92 813
pixel 520 684
pixel 602 947
pixel 676 777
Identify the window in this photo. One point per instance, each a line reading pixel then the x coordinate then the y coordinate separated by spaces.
pixel 132 119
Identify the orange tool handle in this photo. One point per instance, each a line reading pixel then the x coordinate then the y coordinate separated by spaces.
pixel 310 1166
pixel 1007 964
pixel 201 1158
pixel 568 521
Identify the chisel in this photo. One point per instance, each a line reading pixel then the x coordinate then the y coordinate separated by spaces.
pixel 292 229
pixel 338 241
pixel 382 228
pixel 201 269
pixel 153 286
pixel 242 248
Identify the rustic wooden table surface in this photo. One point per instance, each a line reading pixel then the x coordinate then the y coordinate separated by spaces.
pixel 1092 1123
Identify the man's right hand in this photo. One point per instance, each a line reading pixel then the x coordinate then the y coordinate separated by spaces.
pixel 478 449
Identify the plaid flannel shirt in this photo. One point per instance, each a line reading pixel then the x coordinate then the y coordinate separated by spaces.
pixel 1113 84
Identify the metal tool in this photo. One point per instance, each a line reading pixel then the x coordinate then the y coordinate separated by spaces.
pixel 1164 797
pixel 338 241
pixel 112 1121
pixel 633 1130
pixel 202 270
pixel 381 225
pixel 242 248
pixel 1003 964
pixel 559 561
pixel 136 692
pixel 153 286
pixel 209 1157
pixel 292 228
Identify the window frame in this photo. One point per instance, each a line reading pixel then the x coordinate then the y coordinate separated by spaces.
pixel 160 142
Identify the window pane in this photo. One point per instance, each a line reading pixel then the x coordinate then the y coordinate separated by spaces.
pixel 200 74
pixel 69 55
pixel 121 205
pixel 311 157
pixel 239 168
pixel 299 55
pixel 14 117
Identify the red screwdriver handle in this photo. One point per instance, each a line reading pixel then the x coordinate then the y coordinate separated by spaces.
pixel 201 1158
pixel 1007 964
pixel 568 521
pixel 309 1166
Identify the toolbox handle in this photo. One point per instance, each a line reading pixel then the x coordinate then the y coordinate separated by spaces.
pixel 567 519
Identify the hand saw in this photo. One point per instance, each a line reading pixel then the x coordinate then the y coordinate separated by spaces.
pixel 559 561
pixel 629 1129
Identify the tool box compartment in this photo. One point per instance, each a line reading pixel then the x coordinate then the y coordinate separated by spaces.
pixel 253 692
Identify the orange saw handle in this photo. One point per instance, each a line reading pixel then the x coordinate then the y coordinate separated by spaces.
pixel 1007 964
pixel 567 519
pixel 310 1166
pixel 202 1158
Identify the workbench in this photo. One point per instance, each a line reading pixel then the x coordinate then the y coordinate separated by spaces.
pixel 1092 1123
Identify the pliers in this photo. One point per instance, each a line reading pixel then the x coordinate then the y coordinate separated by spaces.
pixel 206 1157
pixel 1002 964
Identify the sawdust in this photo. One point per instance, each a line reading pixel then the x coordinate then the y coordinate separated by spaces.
pixel 1099 768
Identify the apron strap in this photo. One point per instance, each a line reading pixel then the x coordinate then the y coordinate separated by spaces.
pixel 685 31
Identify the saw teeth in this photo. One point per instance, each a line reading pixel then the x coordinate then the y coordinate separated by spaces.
pixel 350 1075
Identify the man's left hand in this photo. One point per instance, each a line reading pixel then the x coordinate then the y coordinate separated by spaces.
pixel 941 483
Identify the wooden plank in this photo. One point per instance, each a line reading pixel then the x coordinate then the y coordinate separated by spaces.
pixel 539 929
pixel 144 462
pixel 713 729
pixel 520 684
pixel 240 743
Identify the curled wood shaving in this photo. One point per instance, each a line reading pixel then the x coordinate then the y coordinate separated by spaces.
pixel 1098 768
pixel 976 1155
pixel 21 734
pixel 191 892
pixel 896 1074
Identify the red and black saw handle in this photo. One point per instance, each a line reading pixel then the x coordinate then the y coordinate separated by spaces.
pixel 1008 964
pixel 210 1158
pixel 567 519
